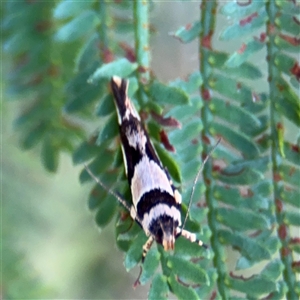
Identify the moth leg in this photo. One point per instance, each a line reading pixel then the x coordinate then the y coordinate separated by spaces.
pixel 192 237
pixel 146 248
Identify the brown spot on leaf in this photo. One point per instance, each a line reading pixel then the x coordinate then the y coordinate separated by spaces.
pixel 53 70
pixel 295 148
pixel 244 3
pixel 170 122
pixel 248 19
pixel 188 26
pixel 106 54
pixel 129 51
pixel 290 39
pixel 216 168
pixel 295 264
pixel 292 171
pixel 285 251
pixel 142 69
pixel 279 126
pixel 205 93
pixel 240 276
pixel 206 41
pixel 282 232
pixel 213 296
pixel 296 21
pixel 262 37
pixel 165 141
pixel 242 49
pixel 279 205
pixel 277 177
pixel 295 241
pixel 295 70
pixel 206 140
pixel 43 26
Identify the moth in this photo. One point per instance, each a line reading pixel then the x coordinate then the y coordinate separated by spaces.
pixel 156 203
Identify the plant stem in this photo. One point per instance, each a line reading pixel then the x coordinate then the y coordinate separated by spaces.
pixel 142 49
pixel 208 18
pixel 276 125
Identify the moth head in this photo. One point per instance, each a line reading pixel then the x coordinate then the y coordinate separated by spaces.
pixel 168 230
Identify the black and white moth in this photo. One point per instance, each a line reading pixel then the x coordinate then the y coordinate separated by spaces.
pixel 156 203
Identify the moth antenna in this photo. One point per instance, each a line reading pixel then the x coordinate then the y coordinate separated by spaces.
pixel 110 191
pixel 197 177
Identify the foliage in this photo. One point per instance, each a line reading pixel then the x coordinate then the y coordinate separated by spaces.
pixel 251 184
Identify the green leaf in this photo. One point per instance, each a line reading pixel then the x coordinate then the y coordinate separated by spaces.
pixel 126 232
pixel 88 54
pixel 78 27
pixel 181 291
pixel 246 50
pixel 188 32
pixel 292 218
pixel 106 106
pixel 50 154
pixel 183 112
pixel 187 133
pixel 237 139
pixel 106 211
pixel 233 113
pixel 241 220
pixel 245 26
pixel 236 10
pixel 85 151
pixel 260 164
pixel 109 131
pixel 292 153
pixel 231 88
pixel 190 169
pixel 289 109
pixel 232 196
pixel 263 188
pixel 30 139
pixel 246 245
pixel 284 62
pixel 245 70
pixel 187 270
pixel 159 289
pixel 254 286
pixel 169 162
pixel 292 197
pixel 290 174
pixel 18 42
pixel 96 197
pixel 150 265
pixel 70 8
pixel 273 270
pixel 190 152
pixel 286 22
pixel 167 95
pixel 184 248
pixel 99 165
pixel 88 95
pixel 134 254
pixel 121 67
pixel 191 85
pixel 245 176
